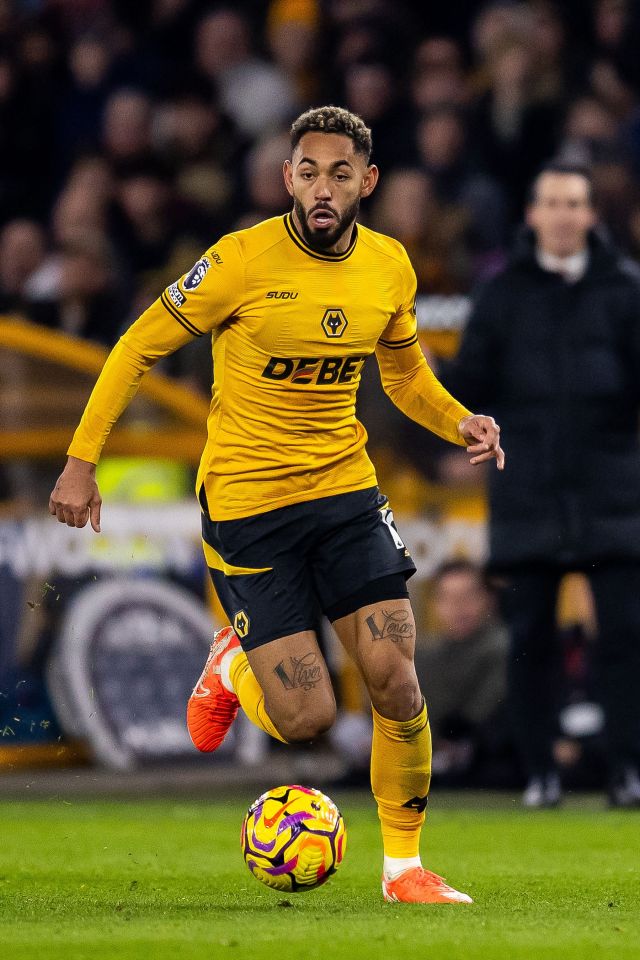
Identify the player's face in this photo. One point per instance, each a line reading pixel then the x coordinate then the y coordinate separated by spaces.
pixel 327 179
pixel 561 214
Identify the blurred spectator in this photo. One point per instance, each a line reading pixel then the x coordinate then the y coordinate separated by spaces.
pixel 76 290
pixel 293 35
pixel 496 23
pixel 590 130
pixel 612 90
pixel 156 44
pixel 463 670
pixel 255 93
pixel 595 136
pixel 78 221
pixel 82 103
pixel 142 225
pixel 616 29
pixel 373 92
pixel 435 54
pixel 555 66
pixel 553 350
pixel 265 190
pixel 616 34
pixel 75 287
pixel 433 233
pixel 611 19
pixel 22 251
pixel 514 128
pixel 126 128
pixel 615 190
pixel 201 145
pixel 438 77
pixel 367 30
pixel 83 203
pixel 444 152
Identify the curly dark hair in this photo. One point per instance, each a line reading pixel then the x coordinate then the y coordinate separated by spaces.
pixel 333 120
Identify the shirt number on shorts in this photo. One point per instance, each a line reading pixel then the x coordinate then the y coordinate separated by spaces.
pixel 387 515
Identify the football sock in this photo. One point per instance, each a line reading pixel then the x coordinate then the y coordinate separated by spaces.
pixel 400 777
pixel 394 866
pixel 238 676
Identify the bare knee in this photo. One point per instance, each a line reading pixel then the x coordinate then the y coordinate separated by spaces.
pixel 396 695
pixel 305 725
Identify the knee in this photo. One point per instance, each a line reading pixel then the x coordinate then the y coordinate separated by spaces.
pixel 396 696
pixel 304 726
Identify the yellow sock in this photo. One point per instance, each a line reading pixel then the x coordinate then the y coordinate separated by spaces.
pixel 400 777
pixel 250 695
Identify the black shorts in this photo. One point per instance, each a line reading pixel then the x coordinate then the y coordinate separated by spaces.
pixel 274 571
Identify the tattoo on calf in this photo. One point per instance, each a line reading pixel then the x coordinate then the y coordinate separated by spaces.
pixel 397 625
pixel 304 672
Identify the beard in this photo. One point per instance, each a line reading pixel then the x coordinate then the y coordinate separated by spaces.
pixel 321 240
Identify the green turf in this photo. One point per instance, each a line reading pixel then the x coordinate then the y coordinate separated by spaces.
pixel 165 879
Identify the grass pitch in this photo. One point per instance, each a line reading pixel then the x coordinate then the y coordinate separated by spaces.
pixel 112 881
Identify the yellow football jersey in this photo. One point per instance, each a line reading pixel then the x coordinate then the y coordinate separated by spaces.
pixel 291 329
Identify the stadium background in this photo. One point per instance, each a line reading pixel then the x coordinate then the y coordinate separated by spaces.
pixel 131 136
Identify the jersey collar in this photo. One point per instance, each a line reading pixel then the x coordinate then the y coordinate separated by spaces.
pixel 329 257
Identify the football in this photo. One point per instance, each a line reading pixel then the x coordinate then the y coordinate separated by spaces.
pixel 293 838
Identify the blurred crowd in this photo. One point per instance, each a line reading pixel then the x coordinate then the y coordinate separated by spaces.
pixel 133 135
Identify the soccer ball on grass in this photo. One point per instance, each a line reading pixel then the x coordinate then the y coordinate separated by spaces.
pixel 293 838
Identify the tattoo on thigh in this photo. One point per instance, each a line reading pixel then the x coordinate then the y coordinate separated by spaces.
pixel 304 672
pixel 397 625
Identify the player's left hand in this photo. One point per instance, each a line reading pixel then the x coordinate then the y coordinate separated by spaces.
pixel 482 437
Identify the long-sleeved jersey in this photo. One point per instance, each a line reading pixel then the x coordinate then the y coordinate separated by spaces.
pixel 291 329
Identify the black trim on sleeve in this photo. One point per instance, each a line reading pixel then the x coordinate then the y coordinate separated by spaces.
pixel 189 327
pixel 399 344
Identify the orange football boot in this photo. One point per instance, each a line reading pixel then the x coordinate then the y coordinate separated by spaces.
pixel 212 708
pixel 418 885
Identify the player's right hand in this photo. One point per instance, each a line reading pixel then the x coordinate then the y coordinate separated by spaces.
pixel 75 497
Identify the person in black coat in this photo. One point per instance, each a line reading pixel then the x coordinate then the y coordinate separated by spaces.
pixel 552 351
